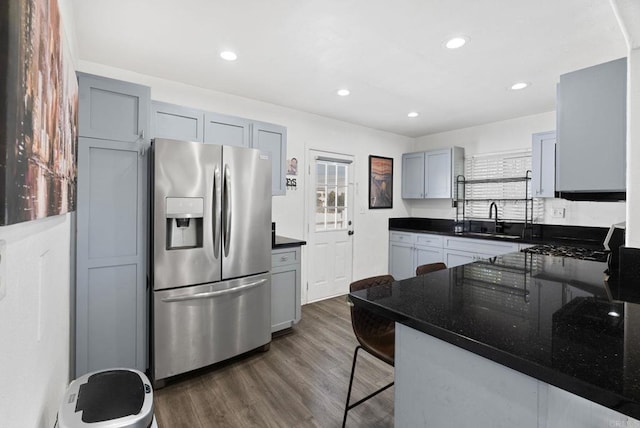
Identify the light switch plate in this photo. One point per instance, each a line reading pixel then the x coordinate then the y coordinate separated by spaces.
pixel 3 268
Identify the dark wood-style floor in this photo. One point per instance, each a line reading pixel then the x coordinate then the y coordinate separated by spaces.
pixel 300 382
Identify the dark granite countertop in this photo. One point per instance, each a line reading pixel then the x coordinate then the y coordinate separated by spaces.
pixel 581 236
pixel 284 242
pixel 551 318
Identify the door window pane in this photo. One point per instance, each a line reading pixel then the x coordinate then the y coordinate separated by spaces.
pixel 332 185
pixel 331 174
pixel 342 175
pixel 321 173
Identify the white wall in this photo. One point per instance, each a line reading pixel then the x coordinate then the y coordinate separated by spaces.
pixel 633 149
pixel 508 135
pixel 628 15
pixel 35 314
pixel 34 322
pixel 304 131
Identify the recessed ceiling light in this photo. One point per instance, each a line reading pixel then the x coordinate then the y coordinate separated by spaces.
pixel 228 55
pixel 519 85
pixel 456 42
pixel 343 92
pixel 613 314
pixel 413 114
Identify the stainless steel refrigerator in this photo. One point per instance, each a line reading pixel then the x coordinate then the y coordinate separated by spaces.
pixel 211 220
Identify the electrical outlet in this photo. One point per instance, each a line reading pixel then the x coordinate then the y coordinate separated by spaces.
pixel 557 213
pixel 3 268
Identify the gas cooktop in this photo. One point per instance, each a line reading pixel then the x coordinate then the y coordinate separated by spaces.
pixel 569 251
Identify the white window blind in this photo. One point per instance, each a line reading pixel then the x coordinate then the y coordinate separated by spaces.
pixel 509 196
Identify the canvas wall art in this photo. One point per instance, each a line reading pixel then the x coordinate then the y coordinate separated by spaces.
pixel 380 182
pixel 39 103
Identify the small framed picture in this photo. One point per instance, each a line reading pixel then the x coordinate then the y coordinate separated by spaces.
pixel 380 182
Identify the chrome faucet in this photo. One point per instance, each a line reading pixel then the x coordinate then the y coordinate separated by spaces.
pixel 494 208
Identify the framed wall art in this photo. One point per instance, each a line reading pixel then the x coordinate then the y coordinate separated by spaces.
pixel 38 113
pixel 380 182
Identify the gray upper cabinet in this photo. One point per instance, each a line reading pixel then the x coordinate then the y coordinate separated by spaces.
pixel 112 110
pixel 432 174
pixel 543 164
pixel 437 174
pixel 176 122
pixel 271 140
pixel 226 130
pixel 591 146
pixel 183 123
pixel 413 175
pixel 111 234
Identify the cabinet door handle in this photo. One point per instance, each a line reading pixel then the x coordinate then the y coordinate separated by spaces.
pixel 143 148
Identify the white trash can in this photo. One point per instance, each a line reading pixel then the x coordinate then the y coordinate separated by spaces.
pixel 117 398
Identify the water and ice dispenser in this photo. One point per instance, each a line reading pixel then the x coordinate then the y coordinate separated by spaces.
pixel 184 222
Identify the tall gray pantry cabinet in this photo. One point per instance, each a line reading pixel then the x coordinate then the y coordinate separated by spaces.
pixel 111 232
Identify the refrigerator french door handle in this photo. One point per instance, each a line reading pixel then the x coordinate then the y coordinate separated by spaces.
pixel 227 210
pixel 217 212
pixel 211 294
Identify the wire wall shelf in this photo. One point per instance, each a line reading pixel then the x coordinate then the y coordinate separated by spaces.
pixel 465 194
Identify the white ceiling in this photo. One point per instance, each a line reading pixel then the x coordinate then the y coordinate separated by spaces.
pixel 297 53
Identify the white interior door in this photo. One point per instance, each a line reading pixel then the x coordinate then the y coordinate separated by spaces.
pixel 330 228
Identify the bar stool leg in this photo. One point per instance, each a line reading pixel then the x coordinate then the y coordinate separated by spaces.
pixel 353 370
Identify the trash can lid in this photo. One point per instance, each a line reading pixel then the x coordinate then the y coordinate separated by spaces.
pixel 108 398
pixel 110 395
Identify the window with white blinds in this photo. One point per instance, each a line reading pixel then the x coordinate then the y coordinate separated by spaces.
pixel 509 196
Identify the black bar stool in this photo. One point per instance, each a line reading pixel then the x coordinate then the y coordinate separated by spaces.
pixel 429 267
pixel 375 334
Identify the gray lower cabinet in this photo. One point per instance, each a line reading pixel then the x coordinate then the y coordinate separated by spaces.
pixel 460 251
pixel 111 234
pixel 401 260
pixel 176 122
pixel 453 258
pixel 285 288
pixel 408 250
pixel 226 130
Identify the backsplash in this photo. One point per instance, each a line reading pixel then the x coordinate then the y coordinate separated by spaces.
pixel 596 214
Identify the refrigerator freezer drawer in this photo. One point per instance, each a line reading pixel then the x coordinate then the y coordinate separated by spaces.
pixel 205 324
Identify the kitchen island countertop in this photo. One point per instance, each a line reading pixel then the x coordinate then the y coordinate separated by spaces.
pixel 551 318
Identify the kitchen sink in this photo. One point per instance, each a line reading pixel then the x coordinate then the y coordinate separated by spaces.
pixel 491 235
